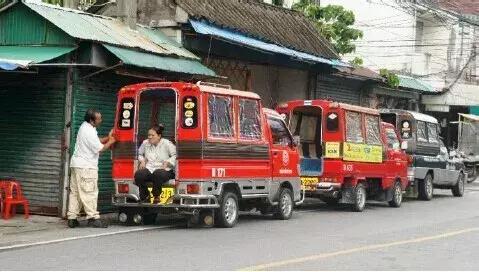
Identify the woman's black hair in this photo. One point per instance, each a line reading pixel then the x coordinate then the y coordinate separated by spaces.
pixel 90 115
pixel 158 129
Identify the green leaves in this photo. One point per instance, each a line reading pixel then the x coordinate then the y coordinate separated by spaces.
pixel 391 78
pixel 334 22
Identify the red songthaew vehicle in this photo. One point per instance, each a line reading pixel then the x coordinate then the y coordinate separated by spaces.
pixel 347 154
pixel 232 154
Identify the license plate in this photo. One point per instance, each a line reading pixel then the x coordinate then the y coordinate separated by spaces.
pixel 309 183
pixel 166 193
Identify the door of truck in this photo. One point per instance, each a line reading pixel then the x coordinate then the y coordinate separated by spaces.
pixel 395 157
pixel 284 156
pixel 305 122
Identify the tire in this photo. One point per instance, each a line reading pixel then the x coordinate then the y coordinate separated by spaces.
pixel 458 189
pixel 397 196
pixel 471 174
pixel 228 212
pixel 425 188
pixel 130 213
pixel 331 201
pixel 284 210
pixel 359 198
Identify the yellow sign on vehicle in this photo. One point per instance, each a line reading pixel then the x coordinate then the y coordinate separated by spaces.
pixel 166 193
pixel 309 183
pixel 362 152
pixel 332 150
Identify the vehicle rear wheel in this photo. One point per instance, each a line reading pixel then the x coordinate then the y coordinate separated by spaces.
pixel 229 211
pixel 425 188
pixel 471 174
pixel 284 211
pixel 130 216
pixel 397 196
pixel 359 198
pixel 458 189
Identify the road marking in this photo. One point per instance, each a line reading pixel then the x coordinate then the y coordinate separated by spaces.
pixel 355 250
pixel 80 237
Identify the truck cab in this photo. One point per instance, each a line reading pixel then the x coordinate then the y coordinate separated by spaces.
pixel 432 166
pixel 347 154
pixel 232 154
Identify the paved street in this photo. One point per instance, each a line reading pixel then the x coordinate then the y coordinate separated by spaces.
pixel 440 235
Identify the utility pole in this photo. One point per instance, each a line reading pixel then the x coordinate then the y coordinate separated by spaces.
pixel 127 10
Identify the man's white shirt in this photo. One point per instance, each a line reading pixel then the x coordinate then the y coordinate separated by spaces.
pixel 87 148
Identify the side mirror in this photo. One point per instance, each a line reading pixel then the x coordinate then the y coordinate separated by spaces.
pixel 296 140
pixel 404 145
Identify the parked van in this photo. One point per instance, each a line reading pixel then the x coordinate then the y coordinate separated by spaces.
pixel 347 155
pixel 431 167
pixel 232 154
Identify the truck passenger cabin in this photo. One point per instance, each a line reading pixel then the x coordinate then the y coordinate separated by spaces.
pixel 347 155
pixel 231 153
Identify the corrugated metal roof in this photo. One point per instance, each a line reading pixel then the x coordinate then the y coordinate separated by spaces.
pixel 86 26
pixel 415 84
pixel 12 57
pixel 209 29
pixel 141 59
pixel 470 116
pixel 270 23
pixel 158 37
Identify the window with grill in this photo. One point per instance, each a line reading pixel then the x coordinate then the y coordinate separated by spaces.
pixel 354 132
pixel 372 130
pixel 220 116
pixel 249 119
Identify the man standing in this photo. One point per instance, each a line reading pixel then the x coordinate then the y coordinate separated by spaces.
pixel 84 171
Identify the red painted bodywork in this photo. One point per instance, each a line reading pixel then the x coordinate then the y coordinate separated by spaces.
pixel 337 170
pixel 204 169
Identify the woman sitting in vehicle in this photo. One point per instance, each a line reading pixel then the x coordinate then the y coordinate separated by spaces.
pixel 157 157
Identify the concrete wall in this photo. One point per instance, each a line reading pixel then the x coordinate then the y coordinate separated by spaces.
pixel 278 84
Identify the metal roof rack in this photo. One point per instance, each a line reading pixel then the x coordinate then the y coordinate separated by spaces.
pixel 211 84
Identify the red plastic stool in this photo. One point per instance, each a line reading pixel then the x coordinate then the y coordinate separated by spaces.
pixel 12 196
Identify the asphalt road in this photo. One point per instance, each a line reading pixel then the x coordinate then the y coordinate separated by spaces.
pixel 442 234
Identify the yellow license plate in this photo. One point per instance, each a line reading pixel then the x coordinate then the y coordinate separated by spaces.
pixel 309 183
pixel 166 193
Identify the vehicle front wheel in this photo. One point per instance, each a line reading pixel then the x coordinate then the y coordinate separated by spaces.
pixel 359 198
pixel 284 211
pixel 425 188
pixel 397 196
pixel 229 211
pixel 458 189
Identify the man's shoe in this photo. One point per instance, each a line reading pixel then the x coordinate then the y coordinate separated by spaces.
pixel 97 223
pixel 73 223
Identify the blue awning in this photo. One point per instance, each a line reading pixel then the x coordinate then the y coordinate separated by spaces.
pixel 208 29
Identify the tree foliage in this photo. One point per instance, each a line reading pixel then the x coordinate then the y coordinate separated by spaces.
pixel 391 78
pixel 334 22
pixel 357 62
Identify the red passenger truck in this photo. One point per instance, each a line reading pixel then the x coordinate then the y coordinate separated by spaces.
pixel 232 154
pixel 347 154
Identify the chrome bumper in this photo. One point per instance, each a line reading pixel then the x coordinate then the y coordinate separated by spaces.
pixel 179 201
pixel 324 187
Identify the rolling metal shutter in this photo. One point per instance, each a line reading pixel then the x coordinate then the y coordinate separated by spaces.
pixel 100 95
pixel 338 89
pixel 31 127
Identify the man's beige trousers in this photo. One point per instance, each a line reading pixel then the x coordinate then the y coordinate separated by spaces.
pixel 83 193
